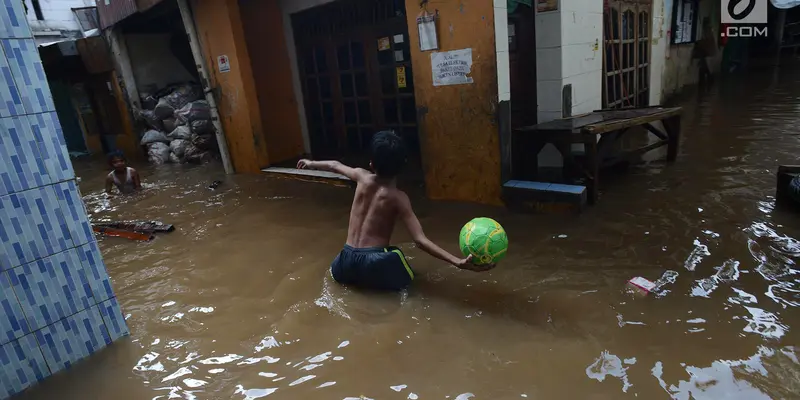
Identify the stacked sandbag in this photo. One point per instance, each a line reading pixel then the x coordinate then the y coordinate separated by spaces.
pixel 158 151
pixel 197 117
pixel 179 125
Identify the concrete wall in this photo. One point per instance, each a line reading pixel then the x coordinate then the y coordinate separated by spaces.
pixel 153 62
pixel 56 302
pixel 58 16
pixel 219 27
pixel 673 67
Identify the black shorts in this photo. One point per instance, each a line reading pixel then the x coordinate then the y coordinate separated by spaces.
pixel 380 268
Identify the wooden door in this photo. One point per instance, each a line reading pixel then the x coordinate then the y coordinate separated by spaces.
pixel 626 53
pixel 355 66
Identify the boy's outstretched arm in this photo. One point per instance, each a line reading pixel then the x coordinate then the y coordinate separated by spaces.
pixel 415 228
pixel 354 174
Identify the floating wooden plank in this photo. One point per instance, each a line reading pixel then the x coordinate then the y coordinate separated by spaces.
pixel 138 226
pixel 308 175
pixel 144 237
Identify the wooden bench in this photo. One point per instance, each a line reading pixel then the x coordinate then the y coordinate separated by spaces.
pixel 307 175
pixel 598 132
pixel 544 197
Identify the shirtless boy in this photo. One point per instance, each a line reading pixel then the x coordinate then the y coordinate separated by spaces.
pixel 125 178
pixel 367 259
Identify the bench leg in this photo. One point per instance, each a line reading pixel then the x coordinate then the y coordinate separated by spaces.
pixel 593 168
pixel 673 127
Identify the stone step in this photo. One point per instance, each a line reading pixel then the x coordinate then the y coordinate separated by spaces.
pixel 545 197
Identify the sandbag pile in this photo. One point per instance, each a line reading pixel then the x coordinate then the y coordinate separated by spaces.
pixel 179 127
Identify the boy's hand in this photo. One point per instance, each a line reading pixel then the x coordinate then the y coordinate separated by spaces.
pixel 303 164
pixel 467 264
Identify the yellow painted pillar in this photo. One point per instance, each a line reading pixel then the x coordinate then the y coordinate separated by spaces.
pixel 457 124
pixel 219 28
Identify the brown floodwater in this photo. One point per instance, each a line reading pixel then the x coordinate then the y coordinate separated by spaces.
pixel 237 303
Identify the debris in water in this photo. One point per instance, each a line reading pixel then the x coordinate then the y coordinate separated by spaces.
pixel 214 185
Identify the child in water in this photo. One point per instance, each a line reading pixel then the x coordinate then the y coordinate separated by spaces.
pixel 367 259
pixel 125 178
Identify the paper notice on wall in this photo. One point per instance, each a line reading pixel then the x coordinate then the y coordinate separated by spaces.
pixel 452 67
pixel 223 63
pixel 426 24
pixel 401 77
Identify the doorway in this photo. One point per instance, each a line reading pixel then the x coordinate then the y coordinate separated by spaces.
pixel 626 53
pixel 355 67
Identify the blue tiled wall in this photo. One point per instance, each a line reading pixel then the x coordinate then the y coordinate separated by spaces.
pixel 56 301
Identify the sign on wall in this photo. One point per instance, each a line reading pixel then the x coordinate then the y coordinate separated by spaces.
pixel 452 67
pixel 224 63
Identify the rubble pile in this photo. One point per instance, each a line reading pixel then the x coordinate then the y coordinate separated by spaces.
pixel 178 127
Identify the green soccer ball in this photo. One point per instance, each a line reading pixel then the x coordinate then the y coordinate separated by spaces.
pixel 485 239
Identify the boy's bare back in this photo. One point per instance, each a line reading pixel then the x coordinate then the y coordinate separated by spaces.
pixel 375 209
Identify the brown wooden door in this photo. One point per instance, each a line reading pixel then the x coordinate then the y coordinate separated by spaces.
pixel 626 53
pixel 355 66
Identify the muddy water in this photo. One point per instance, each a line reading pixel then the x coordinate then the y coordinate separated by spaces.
pixel 238 304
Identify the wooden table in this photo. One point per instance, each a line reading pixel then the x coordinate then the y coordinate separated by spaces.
pixel 597 131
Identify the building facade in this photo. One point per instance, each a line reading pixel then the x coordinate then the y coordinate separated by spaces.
pixel 55 20
pixel 319 77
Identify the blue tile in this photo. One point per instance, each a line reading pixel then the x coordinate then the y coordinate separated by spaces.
pixel 52 288
pixel 10 100
pixel 12 20
pixel 54 218
pixel 24 243
pixel 13 324
pixel 112 316
pixel 47 132
pixel 69 198
pixel 567 188
pixel 21 365
pixel 533 185
pixel 96 272
pixel 28 72
pixel 21 163
pixel 72 339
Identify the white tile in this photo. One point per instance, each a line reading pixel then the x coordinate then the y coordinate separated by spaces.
pixel 548 95
pixel 501 4
pixel 501 29
pixel 548 30
pixel 579 59
pixel 585 87
pixel 548 64
pixel 581 27
pixel 594 6
pixel 503 77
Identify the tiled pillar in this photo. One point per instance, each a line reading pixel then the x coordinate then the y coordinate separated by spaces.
pixel 56 301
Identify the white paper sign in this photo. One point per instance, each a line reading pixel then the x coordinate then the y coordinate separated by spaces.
pixel 224 63
pixel 452 67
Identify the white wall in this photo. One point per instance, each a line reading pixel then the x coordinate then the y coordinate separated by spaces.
pixel 569 52
pixel 58 15
pixel 153 62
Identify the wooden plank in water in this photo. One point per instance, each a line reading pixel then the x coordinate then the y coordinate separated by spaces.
pixel 309 175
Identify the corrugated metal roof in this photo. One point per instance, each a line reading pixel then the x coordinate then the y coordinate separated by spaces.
pixel 113 11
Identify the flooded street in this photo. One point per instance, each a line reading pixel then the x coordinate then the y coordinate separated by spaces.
pixel 238 303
